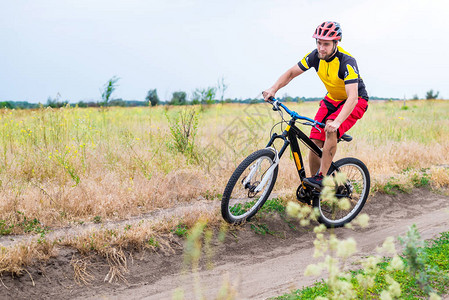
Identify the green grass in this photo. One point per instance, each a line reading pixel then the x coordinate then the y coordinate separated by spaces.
pixel 436 255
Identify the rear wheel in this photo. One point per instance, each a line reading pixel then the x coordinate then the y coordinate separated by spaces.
pixel 355 189
pixel 249 186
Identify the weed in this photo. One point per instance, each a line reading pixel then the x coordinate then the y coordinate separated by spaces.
pixel 420 180
pixel 261 229
pixel 5 229
pixel 183 129
pixel 180 230
pixel 273 205
pixel 97 219
pixel 393 186
pixel 153 242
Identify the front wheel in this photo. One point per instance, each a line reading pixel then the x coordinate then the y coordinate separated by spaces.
pixel 249 186
pixel 356 189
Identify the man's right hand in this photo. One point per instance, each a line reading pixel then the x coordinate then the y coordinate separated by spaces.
pixel 267 94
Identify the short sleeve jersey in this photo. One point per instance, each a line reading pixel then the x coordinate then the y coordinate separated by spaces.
pixel 339 70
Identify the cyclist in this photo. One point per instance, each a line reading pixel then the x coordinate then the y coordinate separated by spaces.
pixel 345 102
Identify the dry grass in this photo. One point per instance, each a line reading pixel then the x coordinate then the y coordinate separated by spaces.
pixel 69 166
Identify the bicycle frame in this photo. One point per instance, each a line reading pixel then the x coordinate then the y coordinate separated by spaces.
pixel 291 135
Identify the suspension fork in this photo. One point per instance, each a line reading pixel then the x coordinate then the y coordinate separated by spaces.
pixel 277 157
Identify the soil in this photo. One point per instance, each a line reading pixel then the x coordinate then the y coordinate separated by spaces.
pixel 256 266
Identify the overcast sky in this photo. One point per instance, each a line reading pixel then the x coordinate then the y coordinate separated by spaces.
pixel 72 47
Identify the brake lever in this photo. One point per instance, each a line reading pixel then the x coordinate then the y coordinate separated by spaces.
pixel 316 127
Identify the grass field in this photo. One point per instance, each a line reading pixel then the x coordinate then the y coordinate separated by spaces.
pixel 72 165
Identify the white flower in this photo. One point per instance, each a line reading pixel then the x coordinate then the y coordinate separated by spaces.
pixel 385 296
pixel 340 178
pixel 434 296
pixel 319 229
pixel 293 208
pixel 394 289
pixel 362 220
pixel 344 204
pixel 304 222
pixel 388 245
pixel 328 181
pixel 347 248
pixel 312 270
pixel 396 264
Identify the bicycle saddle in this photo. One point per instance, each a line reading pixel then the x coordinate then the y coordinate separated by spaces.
pixel 345 137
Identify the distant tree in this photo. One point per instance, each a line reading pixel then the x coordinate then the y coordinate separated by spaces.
pixel 81 104
pixel 152 97
pixel 431 95
pixel 117 102
pixel 178 98
pixel 415 97
pixel 204 96
pixel 56 102
pixel 6 104
pixel 108 89
pixel 221 87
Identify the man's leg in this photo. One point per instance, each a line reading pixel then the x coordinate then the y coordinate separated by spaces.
pixel 314 160
pixel 329 150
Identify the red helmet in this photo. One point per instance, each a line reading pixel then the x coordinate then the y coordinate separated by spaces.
pixel 330 31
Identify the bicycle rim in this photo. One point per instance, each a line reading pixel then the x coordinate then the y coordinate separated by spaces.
pixel 355 189
pixel 244 200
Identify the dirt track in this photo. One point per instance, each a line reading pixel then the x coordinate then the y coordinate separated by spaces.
pixel 258 266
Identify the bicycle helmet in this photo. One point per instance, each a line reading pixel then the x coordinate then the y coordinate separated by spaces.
pixel 330 31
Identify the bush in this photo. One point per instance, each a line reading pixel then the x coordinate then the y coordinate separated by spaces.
pixel 152 97
pixel 183 129
pixel 431 95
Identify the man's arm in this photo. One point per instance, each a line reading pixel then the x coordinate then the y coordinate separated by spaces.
pixel 352 90
pixel 282 81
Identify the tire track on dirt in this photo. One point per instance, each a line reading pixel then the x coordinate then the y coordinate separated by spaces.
pixel 259 268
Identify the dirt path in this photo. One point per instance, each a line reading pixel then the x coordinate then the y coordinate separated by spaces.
pixel 257 266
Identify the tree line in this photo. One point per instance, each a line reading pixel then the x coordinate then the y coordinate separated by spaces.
pixel 209 95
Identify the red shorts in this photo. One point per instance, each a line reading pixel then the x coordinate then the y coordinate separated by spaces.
pixel 329 110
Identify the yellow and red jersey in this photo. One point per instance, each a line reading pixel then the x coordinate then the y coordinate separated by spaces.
pixel 336 72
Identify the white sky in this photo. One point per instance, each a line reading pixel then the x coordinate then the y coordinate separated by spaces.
pixel 73 47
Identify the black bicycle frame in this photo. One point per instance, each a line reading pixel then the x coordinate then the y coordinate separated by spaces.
pixel 291 135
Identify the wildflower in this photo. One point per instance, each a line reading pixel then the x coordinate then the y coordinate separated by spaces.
pixel 433 296
pixel 394 289
pixel 312 270
pixel 344 204
pixel 385 295
pixel 333 242
pixel 327 181
pixel 396 264
pixel 304 222
pixel 349 226
pixel 388 246
pixel 340 178
pixel 347 248
pixel 320 229
pixel 370 264
pixel 365 281
pixel 293 208
pixel 362 220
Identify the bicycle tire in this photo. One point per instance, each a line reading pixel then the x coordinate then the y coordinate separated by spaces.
pixel 357 186
pixel 231 208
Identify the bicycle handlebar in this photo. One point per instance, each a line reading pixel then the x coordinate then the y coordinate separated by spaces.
pixel 293 114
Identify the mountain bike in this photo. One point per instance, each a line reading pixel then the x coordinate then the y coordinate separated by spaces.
pixel 252 182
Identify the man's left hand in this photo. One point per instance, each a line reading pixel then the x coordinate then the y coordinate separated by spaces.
pixel 332 126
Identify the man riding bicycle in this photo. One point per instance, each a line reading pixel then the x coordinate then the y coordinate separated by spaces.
pixel 345 102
